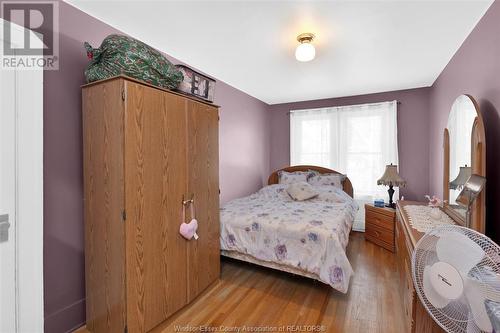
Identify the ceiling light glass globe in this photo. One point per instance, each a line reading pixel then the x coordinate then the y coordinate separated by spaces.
pixel 305 52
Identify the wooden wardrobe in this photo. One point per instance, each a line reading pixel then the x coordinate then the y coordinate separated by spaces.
pixel 146 150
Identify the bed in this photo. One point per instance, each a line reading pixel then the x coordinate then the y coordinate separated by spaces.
pixel 307 238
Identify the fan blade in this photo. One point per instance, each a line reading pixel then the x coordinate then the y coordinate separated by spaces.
pixel 430 293
pixel 493 310
pixel 471 325
pixel 474 292
pixel 459 251
pixel 490 281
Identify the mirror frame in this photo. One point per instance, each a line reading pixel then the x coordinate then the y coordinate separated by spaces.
pixel 478 165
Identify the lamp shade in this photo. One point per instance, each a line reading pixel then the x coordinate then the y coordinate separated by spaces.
pixel 461 179
pixel 391 177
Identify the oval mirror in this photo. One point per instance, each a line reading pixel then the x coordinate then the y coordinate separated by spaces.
pixel 460 123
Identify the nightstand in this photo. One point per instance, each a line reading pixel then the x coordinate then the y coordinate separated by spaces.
pixel 379 226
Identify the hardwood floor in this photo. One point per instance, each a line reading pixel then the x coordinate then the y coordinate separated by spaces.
pixel 248 295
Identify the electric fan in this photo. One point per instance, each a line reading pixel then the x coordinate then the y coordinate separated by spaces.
pixel 455 271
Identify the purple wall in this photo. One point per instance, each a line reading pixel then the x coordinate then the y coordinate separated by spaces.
pixel 474 70
pixel 244 136
pixel 64 283
pixel 244 164
pixel 413 133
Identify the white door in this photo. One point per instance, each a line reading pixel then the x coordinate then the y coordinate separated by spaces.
pixel 21 195
pixel 7 202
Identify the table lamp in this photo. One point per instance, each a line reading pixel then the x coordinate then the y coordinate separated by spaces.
pixel 462 177
pixel 391 178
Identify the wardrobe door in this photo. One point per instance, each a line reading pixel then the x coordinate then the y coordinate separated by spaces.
pixel 103 112
pixel 203 182
pixel 155 168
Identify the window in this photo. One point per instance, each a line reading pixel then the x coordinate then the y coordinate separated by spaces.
pixel 357 140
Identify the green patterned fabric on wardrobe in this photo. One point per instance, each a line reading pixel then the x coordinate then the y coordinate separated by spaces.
pixel 127 56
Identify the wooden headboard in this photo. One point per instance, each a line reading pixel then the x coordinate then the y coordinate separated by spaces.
pixel 274 179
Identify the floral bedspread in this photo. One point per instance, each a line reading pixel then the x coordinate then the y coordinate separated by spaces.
pixel 309 235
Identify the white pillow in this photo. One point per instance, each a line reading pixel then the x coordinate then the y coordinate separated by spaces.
pixel 301 191
pixel 293 177
pixel 331 179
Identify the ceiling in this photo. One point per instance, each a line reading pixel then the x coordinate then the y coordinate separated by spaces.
pixel 361 46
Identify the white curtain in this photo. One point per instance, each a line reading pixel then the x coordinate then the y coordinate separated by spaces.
pixel 357 140
pixel 460 123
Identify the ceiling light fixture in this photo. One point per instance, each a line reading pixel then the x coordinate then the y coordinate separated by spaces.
pixel 305 51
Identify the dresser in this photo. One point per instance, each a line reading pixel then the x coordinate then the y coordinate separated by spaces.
pixel 379 226
pixel 417 319
pixel 147 153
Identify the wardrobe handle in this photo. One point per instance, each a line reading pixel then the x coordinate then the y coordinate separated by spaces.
pixel 188 230
pixel 187 202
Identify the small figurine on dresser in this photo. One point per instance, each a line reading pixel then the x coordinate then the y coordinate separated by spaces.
pixel 436 204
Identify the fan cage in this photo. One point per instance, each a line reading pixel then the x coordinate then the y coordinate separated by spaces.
pixel 455 316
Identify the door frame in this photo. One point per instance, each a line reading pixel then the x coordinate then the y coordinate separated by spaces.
pixel 28 234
